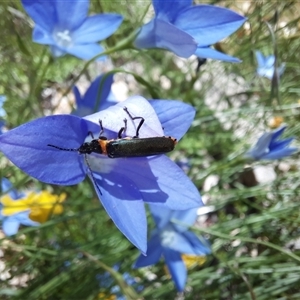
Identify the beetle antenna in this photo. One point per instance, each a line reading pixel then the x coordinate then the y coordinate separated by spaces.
pixel 91 173
pixel 64 149
pixel 135 118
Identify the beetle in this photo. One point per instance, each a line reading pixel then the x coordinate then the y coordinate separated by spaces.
pixel 127 146
pixel 123 147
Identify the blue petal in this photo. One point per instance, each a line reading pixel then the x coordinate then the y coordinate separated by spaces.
pixel 26 146
pixel 124 205
pixel 213 54
pixel 154 253
pixel 2 99
pixel 209 24
pixel 7 186
pixel 159 180
pixel 42 12
pixel 167 11
pixel 136 173
pixel 270 61
pixel 23 218
pixel 200 247
pixel 182 193
pixel 260 59
pixel 187 217
pixel 161 215
pixel 176 267
pixel 268 73
pixel 10 226
pixel 77 95
pixel 277 133
pixel 70 15
pixel 95 98
pixel 160 34
pixel 86 51
pixel 261 147
pixel 113 117
pixel 183 242
pixel 175 117
pixel 277 145
pixel 98 92
pixel 97 28
pixel 177 242
pixel 41 36
pixel 280 153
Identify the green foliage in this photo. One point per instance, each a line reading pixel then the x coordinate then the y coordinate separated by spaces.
pixel 253 227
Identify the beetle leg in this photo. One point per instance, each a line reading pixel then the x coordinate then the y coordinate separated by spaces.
pixel 135 118
pixel 91 134
pixel 123 129
pixel 101 129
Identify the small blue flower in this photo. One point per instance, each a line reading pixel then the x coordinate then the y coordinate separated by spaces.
pixel 266 67
pixel 269 147
pixel 11 224
pixel 186 30
pixel 125 183
pixel 171 240
pixel 97 97
pixel 64 26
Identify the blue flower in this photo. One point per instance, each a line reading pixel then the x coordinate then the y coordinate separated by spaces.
pixel 64 26
pixel 125 183
pixel 186 30
pixel 266 67
pixel 11 223
pixel 269 147
pixel 97 97
pixel 171 240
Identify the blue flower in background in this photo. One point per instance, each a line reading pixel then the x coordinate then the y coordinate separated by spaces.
pixel 266 66
pixel 97 97
pixel 11 224
pixel 125 183
pixel 171 240
pixel 186 30
pixel 64 26
pixel 269 147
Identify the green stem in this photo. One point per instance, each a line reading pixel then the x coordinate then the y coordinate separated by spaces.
pixel 124 44
pixel 248 240
pixel 275 80
pixel 224 165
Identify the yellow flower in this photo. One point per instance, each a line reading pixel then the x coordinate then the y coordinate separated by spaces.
pixel 189 261
pixel 275 122
pixel 103 296
pixel 193 260
pixel 41 205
